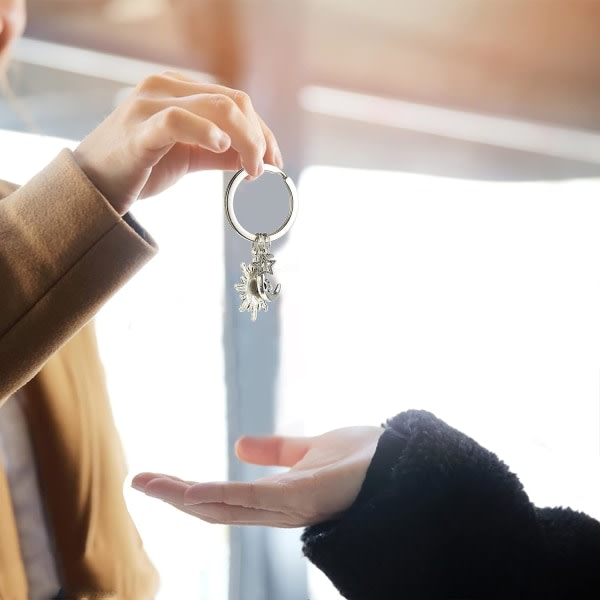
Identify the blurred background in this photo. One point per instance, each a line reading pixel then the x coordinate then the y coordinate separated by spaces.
pixel 446 254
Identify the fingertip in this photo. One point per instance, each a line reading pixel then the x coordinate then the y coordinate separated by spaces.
pixel 277 157
pixel 238 445
pixel 141 480
pixel 246 440
pixel 166 489
pixel 250 449
pixel 243 446
pixel 254 170
pixel 152 483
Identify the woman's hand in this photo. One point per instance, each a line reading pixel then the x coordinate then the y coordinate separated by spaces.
pixel 324 477
pixel 171 125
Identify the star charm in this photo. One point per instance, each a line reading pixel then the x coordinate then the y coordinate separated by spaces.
pixel 264 264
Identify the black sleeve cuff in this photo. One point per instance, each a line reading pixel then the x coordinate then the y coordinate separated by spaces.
pixel 438 516
pixel 130 220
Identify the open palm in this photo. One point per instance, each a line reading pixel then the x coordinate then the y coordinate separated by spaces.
pixel 324 477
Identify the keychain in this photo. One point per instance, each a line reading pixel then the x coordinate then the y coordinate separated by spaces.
pixel 255 288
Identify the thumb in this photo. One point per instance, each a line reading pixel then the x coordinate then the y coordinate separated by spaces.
pixel 272 450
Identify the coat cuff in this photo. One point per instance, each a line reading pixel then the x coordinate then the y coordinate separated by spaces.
pixel 64 252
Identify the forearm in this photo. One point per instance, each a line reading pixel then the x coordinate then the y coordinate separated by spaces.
pixel 63 252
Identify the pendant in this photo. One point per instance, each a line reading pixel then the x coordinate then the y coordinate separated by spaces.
pixel 255 288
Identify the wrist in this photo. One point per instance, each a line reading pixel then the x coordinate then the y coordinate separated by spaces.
pixel 120 205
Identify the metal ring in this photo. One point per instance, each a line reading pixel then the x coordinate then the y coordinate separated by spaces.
pixel 291 216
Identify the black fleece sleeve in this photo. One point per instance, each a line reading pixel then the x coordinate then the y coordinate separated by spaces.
pixel 439 517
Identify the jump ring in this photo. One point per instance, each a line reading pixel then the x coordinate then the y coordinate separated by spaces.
pixel 293 206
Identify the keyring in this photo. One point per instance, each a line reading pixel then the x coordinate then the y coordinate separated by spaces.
pixel 233 220
pixel 255 289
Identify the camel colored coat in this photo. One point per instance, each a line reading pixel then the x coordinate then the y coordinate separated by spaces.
pixel 63 252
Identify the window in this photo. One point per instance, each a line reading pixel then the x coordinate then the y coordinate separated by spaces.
pixel 444 256
pixel 477 301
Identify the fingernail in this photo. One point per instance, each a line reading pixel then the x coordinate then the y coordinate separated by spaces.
pixel 278 157
pixel 137 486
pixel 255 172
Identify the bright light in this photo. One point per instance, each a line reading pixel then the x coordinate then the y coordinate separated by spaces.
pixel 161 342
pixel 475 300
pixel 90 63
pixel 502 132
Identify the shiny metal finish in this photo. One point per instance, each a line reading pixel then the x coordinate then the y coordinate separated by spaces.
pixel 255 288
pixel 293 204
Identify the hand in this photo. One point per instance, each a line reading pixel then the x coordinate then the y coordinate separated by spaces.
pixel 171 125
pixel 325 475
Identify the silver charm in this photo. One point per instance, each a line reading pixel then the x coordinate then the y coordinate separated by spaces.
pixel 255 288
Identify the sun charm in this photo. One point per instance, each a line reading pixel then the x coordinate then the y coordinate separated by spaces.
pixel 255 289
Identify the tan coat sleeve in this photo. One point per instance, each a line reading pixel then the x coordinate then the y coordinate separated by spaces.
pixel 63 252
